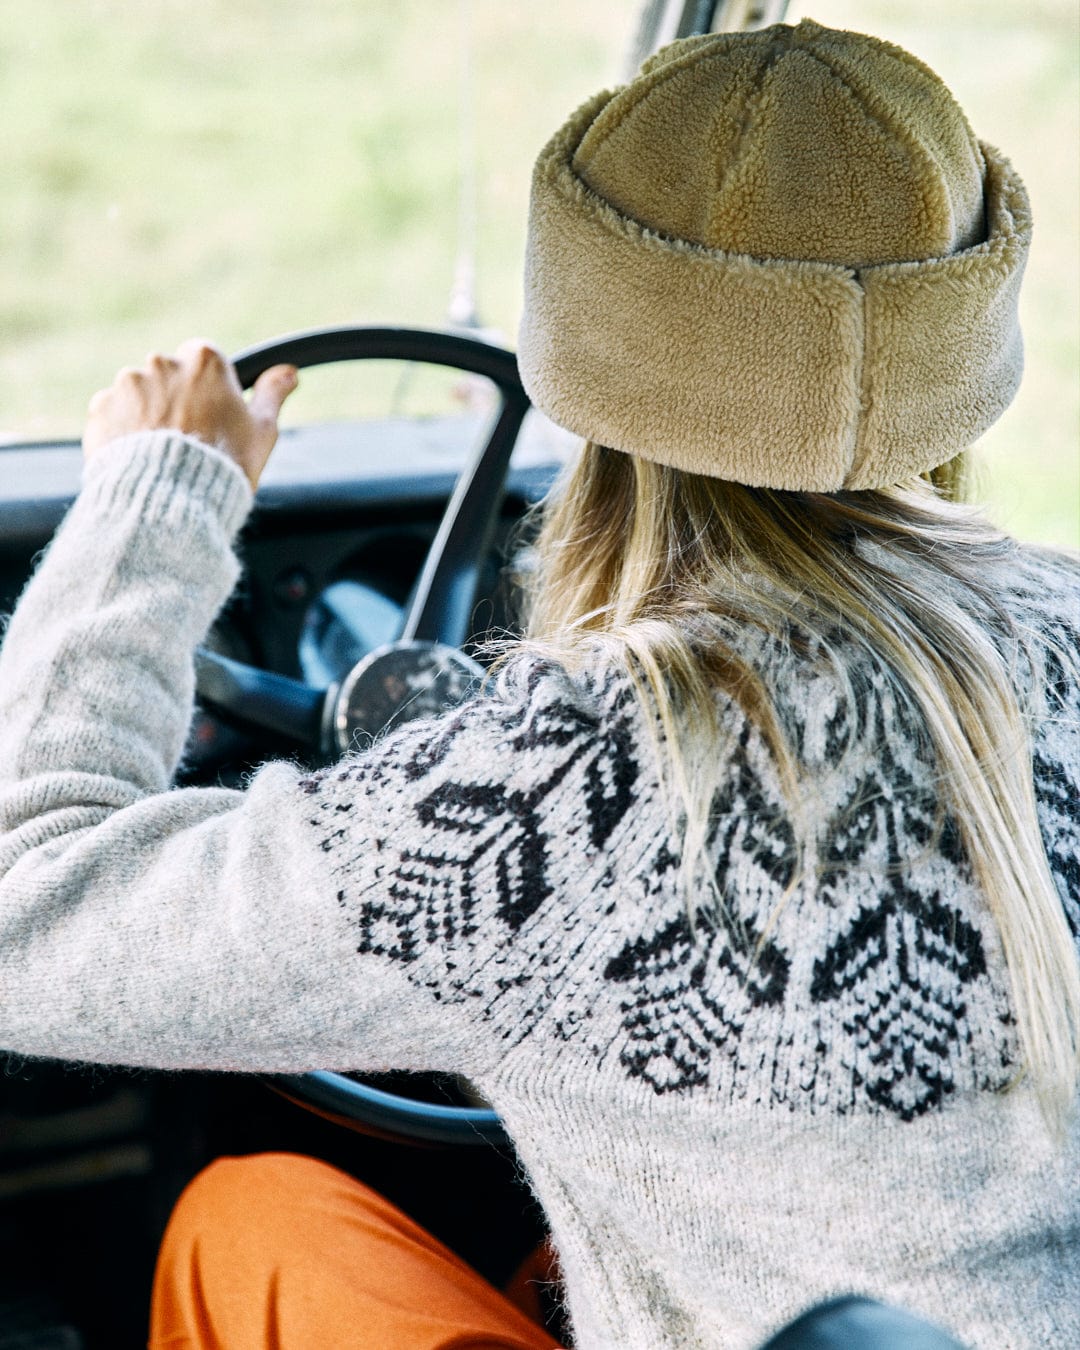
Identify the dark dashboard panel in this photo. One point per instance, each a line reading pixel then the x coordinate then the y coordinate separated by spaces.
pixel 319 466
pixel 338 501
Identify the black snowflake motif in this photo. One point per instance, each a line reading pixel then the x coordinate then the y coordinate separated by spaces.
pixel 463 891
pixel 484 850
pixel 610 777
pixel 749 826
pixel 689 993
pixel 611 768
pixel 1060 811
pixel 689 996
pixel 431 752
pixel 900 971
pixel 432 896
pixel 487 819
pixel 884 804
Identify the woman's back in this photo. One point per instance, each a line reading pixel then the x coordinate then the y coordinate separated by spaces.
pixel 810 1098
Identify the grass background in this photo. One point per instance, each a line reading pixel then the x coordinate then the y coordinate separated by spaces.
pixel 240 168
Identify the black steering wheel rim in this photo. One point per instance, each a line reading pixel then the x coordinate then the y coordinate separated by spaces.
pixel 439 612
pixel 362 1106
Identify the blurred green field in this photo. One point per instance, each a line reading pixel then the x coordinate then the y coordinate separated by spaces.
pixel 240 169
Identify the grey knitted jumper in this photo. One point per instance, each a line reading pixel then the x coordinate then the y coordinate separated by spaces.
pixel 717 1141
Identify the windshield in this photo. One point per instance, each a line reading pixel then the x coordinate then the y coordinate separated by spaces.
pixel 241 169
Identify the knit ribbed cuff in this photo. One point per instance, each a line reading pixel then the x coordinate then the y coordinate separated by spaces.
pixel 167 479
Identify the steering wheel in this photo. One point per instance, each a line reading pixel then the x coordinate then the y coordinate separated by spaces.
pixel 424 658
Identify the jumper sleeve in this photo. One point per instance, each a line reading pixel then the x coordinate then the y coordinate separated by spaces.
pixel 167 927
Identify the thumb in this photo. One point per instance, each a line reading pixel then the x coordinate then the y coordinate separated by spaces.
pixel 270 391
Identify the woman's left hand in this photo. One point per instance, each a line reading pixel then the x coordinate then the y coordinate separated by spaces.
pixel 196 392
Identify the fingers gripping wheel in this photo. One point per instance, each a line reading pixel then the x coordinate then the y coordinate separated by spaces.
pixel 423 660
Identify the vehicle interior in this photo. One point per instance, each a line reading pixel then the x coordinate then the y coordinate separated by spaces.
pixel 394 516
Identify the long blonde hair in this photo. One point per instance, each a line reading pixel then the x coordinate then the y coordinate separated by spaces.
pixel 663 570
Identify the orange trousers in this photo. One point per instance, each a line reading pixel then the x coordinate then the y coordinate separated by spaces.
pixel 280 1252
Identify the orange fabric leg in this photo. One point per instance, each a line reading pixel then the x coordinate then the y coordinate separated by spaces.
pixel 280 1252
pixel 536 1284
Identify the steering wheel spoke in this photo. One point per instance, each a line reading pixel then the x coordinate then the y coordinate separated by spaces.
pixel 443 600
pixel 263 699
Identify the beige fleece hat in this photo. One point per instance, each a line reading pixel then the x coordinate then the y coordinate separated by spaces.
pixel 780 258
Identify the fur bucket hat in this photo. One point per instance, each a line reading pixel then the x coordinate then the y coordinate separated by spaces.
pixel 780 258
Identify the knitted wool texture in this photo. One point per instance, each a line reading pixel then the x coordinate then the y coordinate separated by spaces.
pixel 780 258
pixel 720 1133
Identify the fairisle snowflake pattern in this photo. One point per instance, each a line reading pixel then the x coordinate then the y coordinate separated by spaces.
pixel 865 976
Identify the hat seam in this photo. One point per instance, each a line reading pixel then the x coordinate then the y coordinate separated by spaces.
pixel 562 173
pixel 997 240
pixel 1003 193
pixel 673 68
pixel 556 165
pixel 627 225
pixel 775 52
pixel 888 123
pixel 860 449
pixel 906 58
pixel 782 41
